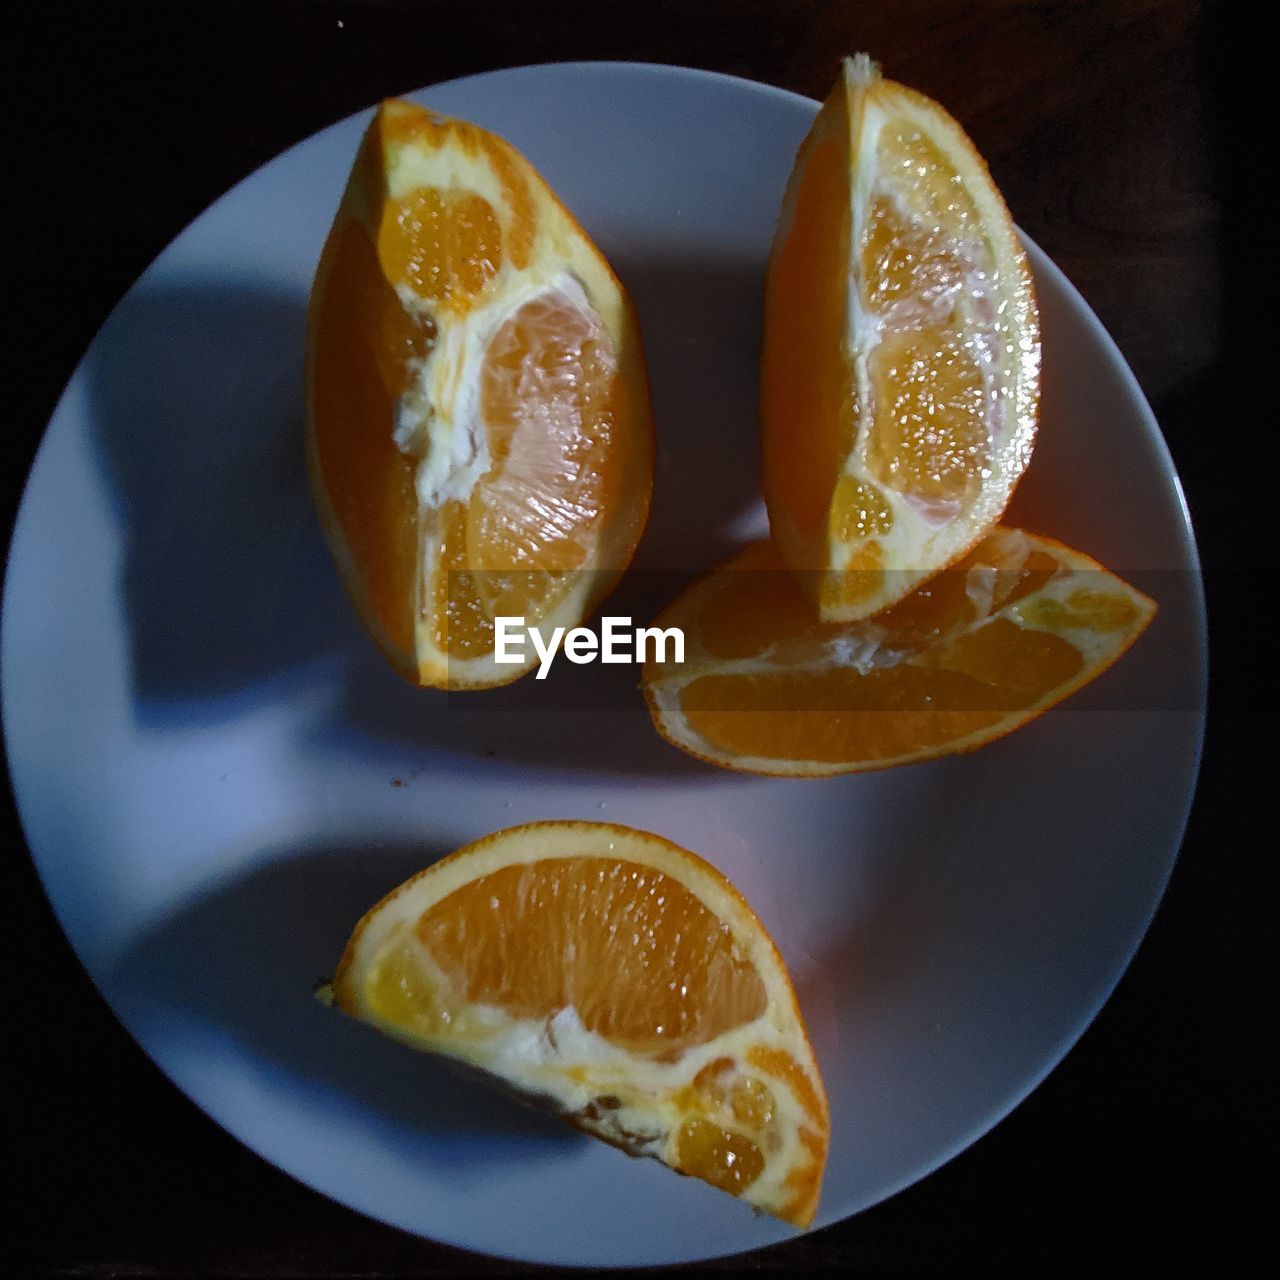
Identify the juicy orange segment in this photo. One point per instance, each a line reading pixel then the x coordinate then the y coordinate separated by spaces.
pixel 478 415
pixel 548 398
pixel 444 245
pixel 929 441
pixel 899 376
pixel 688 982
pixel 726 1159
pixel 619 976
pixel 859 511
pixel 1016 626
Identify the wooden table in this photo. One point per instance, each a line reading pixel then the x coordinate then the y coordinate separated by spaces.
pixel 1099 122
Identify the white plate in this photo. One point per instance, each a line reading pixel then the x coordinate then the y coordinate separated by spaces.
pixel 217 773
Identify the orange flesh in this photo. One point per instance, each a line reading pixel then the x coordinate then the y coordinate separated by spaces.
pixel 913 256
pixel 859 510
pixel 720 1156
pixel 861 578
pixel 808 410
pixel 546 402
pixel 930 439
pixel 547 399
pixel 639 958
pixel 954 672
pixel 860 515
pixel 724 1093
pixel 1090 609
pixel 444 245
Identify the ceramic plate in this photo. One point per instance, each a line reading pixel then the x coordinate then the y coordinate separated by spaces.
pixel 217 773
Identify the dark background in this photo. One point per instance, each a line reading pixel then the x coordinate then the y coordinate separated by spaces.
pixel 1113 131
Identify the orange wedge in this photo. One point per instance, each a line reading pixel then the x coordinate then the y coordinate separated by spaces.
pixel 1019 624
pixel 479 430
pixel 900 370
pixel 618 977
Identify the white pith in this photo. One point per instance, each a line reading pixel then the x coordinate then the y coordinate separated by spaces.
pixel 438 420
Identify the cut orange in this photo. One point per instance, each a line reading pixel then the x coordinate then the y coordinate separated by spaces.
pixel 479 430
pixel 618 977
pixel 1019 624
pixel 900 370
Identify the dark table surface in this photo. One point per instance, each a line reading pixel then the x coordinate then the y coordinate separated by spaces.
pixel 1107 127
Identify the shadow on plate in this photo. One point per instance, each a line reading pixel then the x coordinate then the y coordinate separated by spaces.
pixel 244 960
pixel 232 598
pixel 198 412
pixel 924 846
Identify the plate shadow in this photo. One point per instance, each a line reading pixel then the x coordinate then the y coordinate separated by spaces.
pixel 245 960
pixel 198 414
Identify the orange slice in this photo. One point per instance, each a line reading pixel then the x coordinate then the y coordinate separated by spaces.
pixel 622 979
pixel 1019 624
pixel 900 370
pixel 479 430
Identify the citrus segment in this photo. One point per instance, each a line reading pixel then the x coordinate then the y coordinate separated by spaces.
pixel 676 980
pixel 621 978
pixel 983 647
pixel 443 245
pixel 929 441
pixel 547 399
pixel 901 349
pixel 479 428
